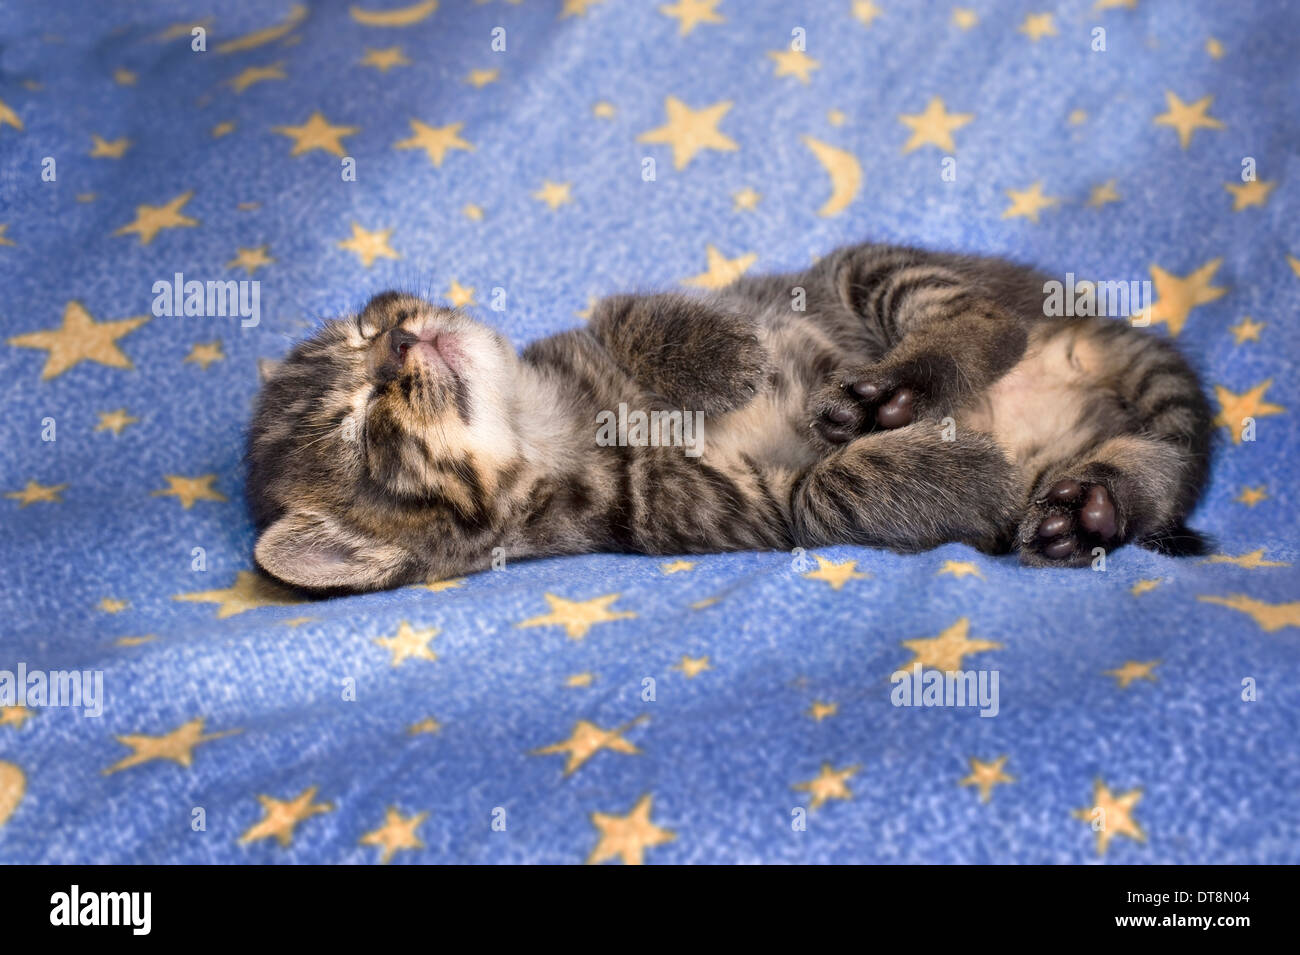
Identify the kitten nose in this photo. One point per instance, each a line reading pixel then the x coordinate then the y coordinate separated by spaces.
pixel 400 342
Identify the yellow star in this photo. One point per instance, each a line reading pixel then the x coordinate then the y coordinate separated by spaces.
pixel 1246 194
pixel 1134 670
pixel 1103 194
pixel 223 129
pixel 178 745
pixel 396 833
pixel 3 240
pixel 80 338
pixel 1252 561
pixel 579 681
pixel 185 29
pixel 316 133
pixel 114 421
pixel 627 837
pixel 111 605
pixel 554 194
pixel 721 271
pixel 964 17
pixel 35 492
pixel 1235 409
pixel 986 776
pixel 692 666
pixel 1176 297
pixel 577 8
pixel 691 13
pixel 103 149
pixel 409 644
pixel 1028 202
pixel 836 117
pixel 1145 586
pixel 8 117
pixel 204 354
pixel 1214 48
pixel 960 568
pixel 677 566
pixel 1187 119
pixel 1250 496
pixel 384 60
pixel 436 141
pixel 1111 815
pixel 794 63
pixel 578 616
pixel 283 816
pixel 438 586
pixel 189 490
pixel 745 199
pixel 14 716
pixel 934 127
pixel 829 784
pixel 837 575
pixel 604 110
pixel 691 130
pixel 124 77
pixel 249 592
pixel 948 650
pixel 369 245
pixel 586 741
pixel 1037 26
pixel 428 725
pixel 481 78
pixel 864 11
pixel 820 711
pixel 1270 617
pixel 472 212
pixel 1247 330
pixel 459 295
pixel 150 220
pixel 251 259
pixel 256 74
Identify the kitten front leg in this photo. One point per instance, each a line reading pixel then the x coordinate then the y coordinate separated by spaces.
pixel 692 352
pixel 909 490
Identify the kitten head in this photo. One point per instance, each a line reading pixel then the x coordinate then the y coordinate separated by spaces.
pixel 375 436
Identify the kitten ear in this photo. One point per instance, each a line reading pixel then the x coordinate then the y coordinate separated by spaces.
pixel 314 551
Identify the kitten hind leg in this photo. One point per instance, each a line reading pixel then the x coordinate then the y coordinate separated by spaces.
pixel 1131 488
pixel 908 489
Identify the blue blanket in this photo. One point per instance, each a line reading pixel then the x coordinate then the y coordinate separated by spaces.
pixel 519 159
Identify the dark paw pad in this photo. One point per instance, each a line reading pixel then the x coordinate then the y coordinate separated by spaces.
pixel 893 407
pixel 1069 520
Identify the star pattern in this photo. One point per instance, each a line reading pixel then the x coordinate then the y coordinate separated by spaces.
pixel 1134 670
pixel 282 817
pixel 627 837
pixel 985 776
pixel 409 644
pixel 397 833
pixel 835 574
pixel 436 141
pixel 150 220
pixel 586 740
pixel 828 784
pixel 36 492
pixel 1270 617
pixel 190 490
pixel 933 126
pixel 691 13
pixel 1186 118
pixel 317 133
pixel 691 131
pixel 177 746
pixel 1112 816
pixel 369 245
pixel 1247 194
pixel 250 591
pixel 577 617
pixel 1236 409
pixel 80 338
pixel 949 650
pixel 1028 202
pixel 721 270
pixel 1177 296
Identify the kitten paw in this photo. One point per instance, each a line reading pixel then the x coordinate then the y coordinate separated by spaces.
pixel 861 402
pixel 1062 527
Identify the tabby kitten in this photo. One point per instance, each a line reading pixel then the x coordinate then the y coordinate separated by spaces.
pixel 917 398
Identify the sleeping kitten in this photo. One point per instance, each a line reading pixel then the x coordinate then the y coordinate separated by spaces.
pixel 916 398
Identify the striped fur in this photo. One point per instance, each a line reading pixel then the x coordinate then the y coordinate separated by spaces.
pixel 915 398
